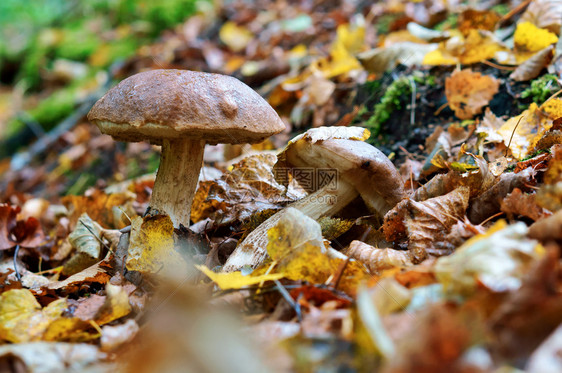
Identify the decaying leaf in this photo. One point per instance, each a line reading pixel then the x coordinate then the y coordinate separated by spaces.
pixel 498 259
pixel 426 223
pixel 247 189
pixel 377 259
pixel 549 228
pixel 94 274
pixel 151 247
pixel 473 19
pixel 517 203
pixel 468 92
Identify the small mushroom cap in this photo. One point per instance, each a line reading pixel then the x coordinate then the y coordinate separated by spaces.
pixel 361 164
pixel 173 104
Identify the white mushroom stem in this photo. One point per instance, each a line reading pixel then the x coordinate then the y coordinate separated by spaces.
pixel 176 180
pixel 326 201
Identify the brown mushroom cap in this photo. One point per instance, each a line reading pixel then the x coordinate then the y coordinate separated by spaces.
pixel 361 164
pixel 172 104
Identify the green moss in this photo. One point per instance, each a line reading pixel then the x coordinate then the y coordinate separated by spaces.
pixel 393 99
pixel 541 88
pixel 78 43
pixel 449 23
pixel 501 9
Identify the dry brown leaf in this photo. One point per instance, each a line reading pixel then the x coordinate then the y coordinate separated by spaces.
pixel 99 206
pixel 26 233
pixel 93 274
pixel 532 67
pixel 549 228
pixel 468 92
pixel 378 259
pixel 489 202
pixel 544 14
pixel 517 203
pixel 246 190
pixel 426 223
pixel 472 19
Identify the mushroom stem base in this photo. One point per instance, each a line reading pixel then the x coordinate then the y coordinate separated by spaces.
pixel 324 202
pixel 176 180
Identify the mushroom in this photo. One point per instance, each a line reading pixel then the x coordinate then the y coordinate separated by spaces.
pixel 182 111
pixel 361 169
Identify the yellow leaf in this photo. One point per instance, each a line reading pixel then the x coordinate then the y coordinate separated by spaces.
pixel 151 246
pixel 351 37
pixel 21 317
pixel 234 36
pixel 524 131
pixel 468 92
pixel 553 108
pixel 531 38
pixel 236 280
pixel 439 57
pixel 296 245
pixel 116 305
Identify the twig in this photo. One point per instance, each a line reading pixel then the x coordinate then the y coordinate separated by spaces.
pixel 518 9
pixel 500 67
pixel 18 275
pixel 413 102
pixel 339 273
pixel 289 299
pixel 512 133
pixel 492 217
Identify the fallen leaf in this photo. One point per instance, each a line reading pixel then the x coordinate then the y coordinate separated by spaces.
pixel 296 247
pixel 152 248
pixel 94 274
pixel 382 59
pixel 26 233
pixel 236 280
pixel 378 259
pixel 517 203
pixel 249 188
pixel 531 38
pixel 98 206
pixel 468 92
pixel 425 224
pixel 529 315
pixel 497 259
pixel 113 337
pixel 234 36
pixel 545 14
pixel 21 317
pixel 549 228
pixel 43 357
pixel 531 68
pixel 473 19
